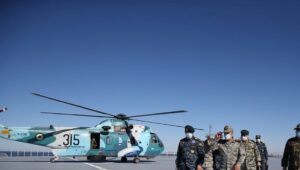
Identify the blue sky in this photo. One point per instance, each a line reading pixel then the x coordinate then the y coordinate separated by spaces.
pixel 226 62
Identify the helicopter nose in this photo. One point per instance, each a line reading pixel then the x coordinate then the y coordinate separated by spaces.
pixel 162 147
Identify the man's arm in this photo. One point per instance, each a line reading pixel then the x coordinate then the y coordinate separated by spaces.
pixel 257 155
pixel 201 153
pixel 179 156
pixel 266 152
pixel 241 155
pixel 210 146
pixel 286 154
pixel 199 167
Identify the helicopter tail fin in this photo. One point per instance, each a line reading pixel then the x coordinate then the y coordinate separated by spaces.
pixel 4 131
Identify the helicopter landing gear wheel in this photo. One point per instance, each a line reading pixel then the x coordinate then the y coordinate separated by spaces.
pixel 123 159
pixel 136 160
pixel 52 160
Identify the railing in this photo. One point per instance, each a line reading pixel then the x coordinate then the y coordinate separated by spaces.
pixel 24 153
pixel 43 153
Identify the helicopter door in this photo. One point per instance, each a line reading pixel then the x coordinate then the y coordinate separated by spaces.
pixel 95 140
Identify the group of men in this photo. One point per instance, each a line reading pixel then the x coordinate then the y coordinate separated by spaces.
pixel 232 154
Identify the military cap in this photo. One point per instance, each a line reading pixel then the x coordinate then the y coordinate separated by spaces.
pixel 257 137
pixel 227 129
pixel 244 132
pixel 189 129
pixel 297 127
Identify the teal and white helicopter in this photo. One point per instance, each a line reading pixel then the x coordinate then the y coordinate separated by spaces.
pixel 113 137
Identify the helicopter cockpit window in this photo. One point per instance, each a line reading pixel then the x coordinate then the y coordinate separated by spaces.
pixel 154 138
pixel 119 128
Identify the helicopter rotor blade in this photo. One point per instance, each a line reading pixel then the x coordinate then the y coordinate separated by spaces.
pixel 71 114
pixel 156 114
pixel 129 134
pixel 65 102
pixel 165 124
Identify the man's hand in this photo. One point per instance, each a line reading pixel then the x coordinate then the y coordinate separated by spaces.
pixel 218 136
pixel 236 167
pixel 258 163
pixel 199 167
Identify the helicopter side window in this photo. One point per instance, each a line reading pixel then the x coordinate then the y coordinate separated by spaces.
pixel 119 129
pixel 108 140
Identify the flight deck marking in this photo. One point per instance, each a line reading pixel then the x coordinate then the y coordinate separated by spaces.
pixel 89 164
pixel 94 166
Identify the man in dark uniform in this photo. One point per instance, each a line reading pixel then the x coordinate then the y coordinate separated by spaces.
pixel 263 153
pixel 291 155
pixel 190 153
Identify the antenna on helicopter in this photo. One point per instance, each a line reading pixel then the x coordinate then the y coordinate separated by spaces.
pixel 210 130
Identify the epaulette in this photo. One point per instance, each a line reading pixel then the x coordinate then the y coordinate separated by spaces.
pixel 197 139
pixel 238 140
pixel 221 141
pixel 293 139
pixel 182 141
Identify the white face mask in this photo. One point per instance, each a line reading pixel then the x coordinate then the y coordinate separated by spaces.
pixel 258 140
pixel 298 133
pixel 228 136
pixel 189 135
pixel 244 138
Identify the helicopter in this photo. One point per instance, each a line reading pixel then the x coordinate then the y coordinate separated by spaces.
pixel 112 137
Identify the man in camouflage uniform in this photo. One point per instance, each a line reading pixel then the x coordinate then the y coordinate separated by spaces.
pixel 212 158
pixel 232 153
pixel 216 154
pixel 190 153
pixel 252 160
pixel 263 153
pixel 209 161
pixel 291 155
